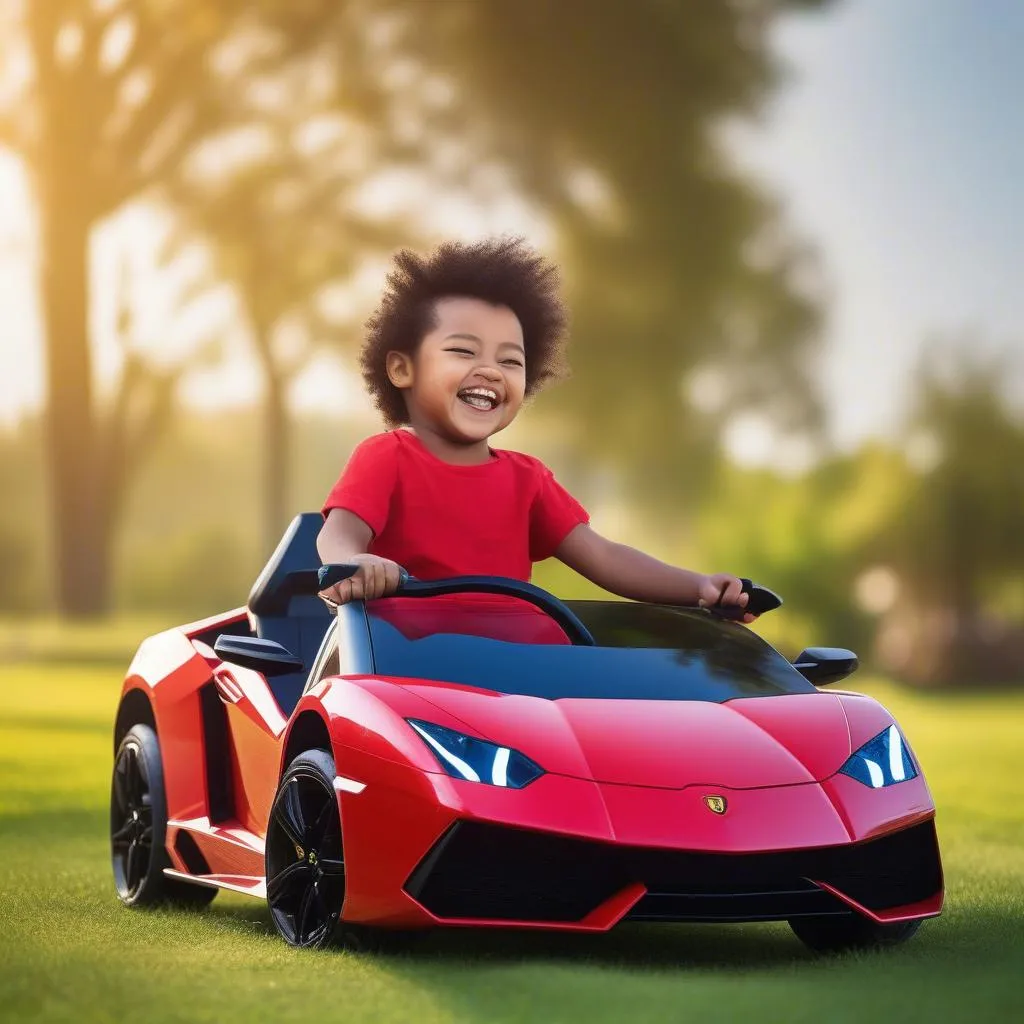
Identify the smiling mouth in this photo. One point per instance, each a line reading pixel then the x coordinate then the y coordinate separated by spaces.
pixel 482 399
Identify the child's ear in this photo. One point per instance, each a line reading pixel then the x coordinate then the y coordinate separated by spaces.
pixel 399 369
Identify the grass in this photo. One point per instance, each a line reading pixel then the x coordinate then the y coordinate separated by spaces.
pixel 69 951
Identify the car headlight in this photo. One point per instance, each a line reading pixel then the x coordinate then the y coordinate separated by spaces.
pixel 466 757
pixel 882 761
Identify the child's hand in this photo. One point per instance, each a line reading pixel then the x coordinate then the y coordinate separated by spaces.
pixel 723 590
pixel 377 577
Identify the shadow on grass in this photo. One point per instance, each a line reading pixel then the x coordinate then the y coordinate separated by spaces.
pixel 251 917
pixel 741 947
pixel 961 942
pixel 628 945
pixel 960 945
pixel 638 946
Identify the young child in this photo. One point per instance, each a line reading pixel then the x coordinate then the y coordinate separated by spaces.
pixel 459 340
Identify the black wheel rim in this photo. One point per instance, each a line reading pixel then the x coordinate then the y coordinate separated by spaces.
pixel 305 866
pixel 131 821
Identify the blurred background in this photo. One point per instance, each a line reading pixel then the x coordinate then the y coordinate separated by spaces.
pixel 791 238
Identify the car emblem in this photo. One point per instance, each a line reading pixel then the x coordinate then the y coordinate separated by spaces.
pixel 717 804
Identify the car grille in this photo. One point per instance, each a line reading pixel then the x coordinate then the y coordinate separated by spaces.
pixel 483 871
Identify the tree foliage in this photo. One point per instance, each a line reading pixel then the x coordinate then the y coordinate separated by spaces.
pixel 604 116
pixel 440 89
pixel 110 98
pixel 608 116
pixel 283 226
pixel 958 541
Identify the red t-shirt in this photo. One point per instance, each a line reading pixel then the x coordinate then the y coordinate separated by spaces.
pixel 438 520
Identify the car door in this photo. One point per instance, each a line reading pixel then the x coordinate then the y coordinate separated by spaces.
pixel 255 727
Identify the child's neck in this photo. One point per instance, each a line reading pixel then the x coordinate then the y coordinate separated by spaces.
pixel 456 453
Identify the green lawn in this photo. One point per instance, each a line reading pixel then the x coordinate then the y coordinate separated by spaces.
pixel 69 951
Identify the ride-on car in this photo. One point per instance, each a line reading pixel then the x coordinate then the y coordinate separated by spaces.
pixel 475 752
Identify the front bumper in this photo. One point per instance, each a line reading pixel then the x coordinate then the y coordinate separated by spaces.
pixel 424 849
pixel 479 871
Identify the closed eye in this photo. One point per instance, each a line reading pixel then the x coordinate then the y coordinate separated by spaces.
pixel 512 362
pixel 461 351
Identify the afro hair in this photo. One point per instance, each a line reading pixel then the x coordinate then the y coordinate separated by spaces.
pixel 502 272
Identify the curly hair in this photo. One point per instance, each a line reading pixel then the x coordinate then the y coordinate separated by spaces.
pixel 502 272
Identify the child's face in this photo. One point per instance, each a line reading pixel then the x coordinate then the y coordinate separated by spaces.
pixel 466 380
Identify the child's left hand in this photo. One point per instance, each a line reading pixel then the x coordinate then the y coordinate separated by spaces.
pixel 723 590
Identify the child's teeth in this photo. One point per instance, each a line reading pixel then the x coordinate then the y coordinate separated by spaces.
pixel 478 400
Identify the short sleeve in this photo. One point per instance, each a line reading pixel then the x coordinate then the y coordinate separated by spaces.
pixel 555 513
pixel 367 482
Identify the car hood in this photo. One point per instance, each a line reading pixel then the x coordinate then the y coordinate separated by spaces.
pixel 739 744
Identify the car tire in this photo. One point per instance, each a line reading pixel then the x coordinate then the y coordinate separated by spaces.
pixel 305 866
pixel 838 933
pixel 138 827
pixel 306 894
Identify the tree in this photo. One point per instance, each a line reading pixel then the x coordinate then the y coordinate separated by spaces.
pixel 608 116
pixel 110 100
pixel 604 115
pixel 958 542
pixel 281 231
pixel 283 218
pixel 676 263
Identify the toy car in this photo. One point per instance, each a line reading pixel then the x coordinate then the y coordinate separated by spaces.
pixel 475 752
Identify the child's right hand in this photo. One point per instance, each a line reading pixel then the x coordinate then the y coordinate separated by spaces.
pixel 376 577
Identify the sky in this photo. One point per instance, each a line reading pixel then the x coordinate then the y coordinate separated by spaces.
pixel 898 149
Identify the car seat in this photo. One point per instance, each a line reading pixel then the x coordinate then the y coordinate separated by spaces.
pixel 283 605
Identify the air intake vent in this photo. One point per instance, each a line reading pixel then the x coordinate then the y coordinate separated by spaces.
pixel 219 791
pixel 477 870
pixel 191 856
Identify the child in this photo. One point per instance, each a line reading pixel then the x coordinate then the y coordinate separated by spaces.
pixel 459 340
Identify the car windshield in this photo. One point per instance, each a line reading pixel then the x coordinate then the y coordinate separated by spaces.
pixel 642 652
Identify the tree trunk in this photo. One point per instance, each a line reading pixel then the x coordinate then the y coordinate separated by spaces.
pixel 81 540
pixel 67 201
pixel 275 469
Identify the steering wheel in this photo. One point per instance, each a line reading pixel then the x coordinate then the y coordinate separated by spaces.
pixel 409 586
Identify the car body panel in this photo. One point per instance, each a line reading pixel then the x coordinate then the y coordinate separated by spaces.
pixel 619 775
pixel 867 718
pixel 667 744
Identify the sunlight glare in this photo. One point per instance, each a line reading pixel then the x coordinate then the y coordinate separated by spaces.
pixel 68 43
pixel 21 379
pixel 750 440
pixel 117 42
pixel 877 589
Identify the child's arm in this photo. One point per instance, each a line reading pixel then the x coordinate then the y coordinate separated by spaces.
pixel 344 537
pixel 630 573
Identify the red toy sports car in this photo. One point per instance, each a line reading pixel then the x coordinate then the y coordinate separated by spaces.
pixel 474 752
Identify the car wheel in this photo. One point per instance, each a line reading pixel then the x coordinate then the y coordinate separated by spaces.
pixel 834 934
pixel 138 824
pixel 305 862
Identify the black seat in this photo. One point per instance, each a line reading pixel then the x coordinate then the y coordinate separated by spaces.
pixel 284 606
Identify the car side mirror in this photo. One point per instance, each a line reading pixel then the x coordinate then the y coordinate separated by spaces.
pixel 824 665
pixel 266 656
